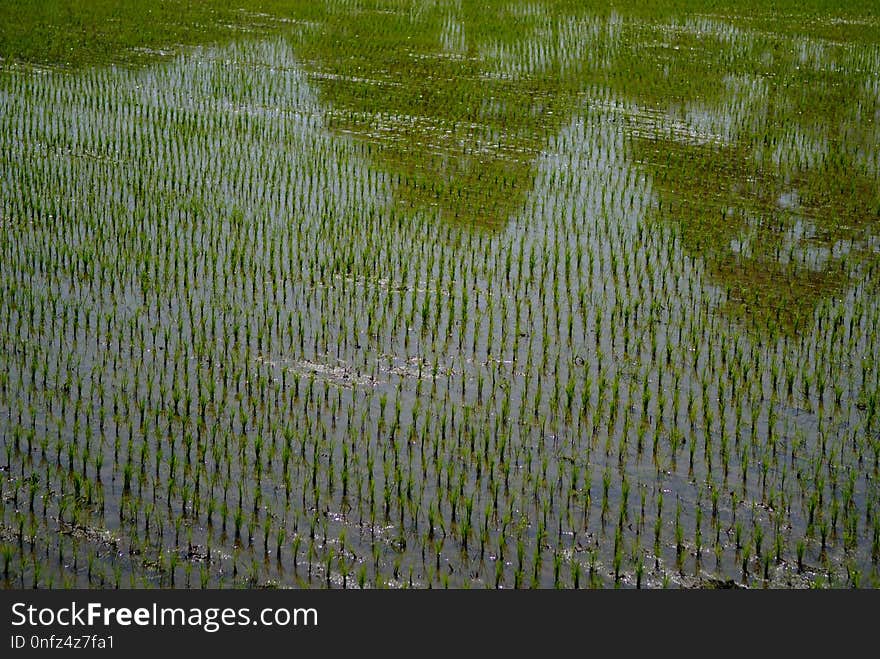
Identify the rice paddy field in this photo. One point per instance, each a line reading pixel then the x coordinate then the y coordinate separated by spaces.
pixel 439 294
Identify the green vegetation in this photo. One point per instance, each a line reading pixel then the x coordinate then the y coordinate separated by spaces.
pixel 430 294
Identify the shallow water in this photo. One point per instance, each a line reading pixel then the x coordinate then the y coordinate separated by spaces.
pixel 499 299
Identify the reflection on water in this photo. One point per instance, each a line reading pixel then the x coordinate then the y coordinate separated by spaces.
pixel 746 125
pixel 745 133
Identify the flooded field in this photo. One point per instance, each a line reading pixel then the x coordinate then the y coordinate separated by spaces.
pixel 429 294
